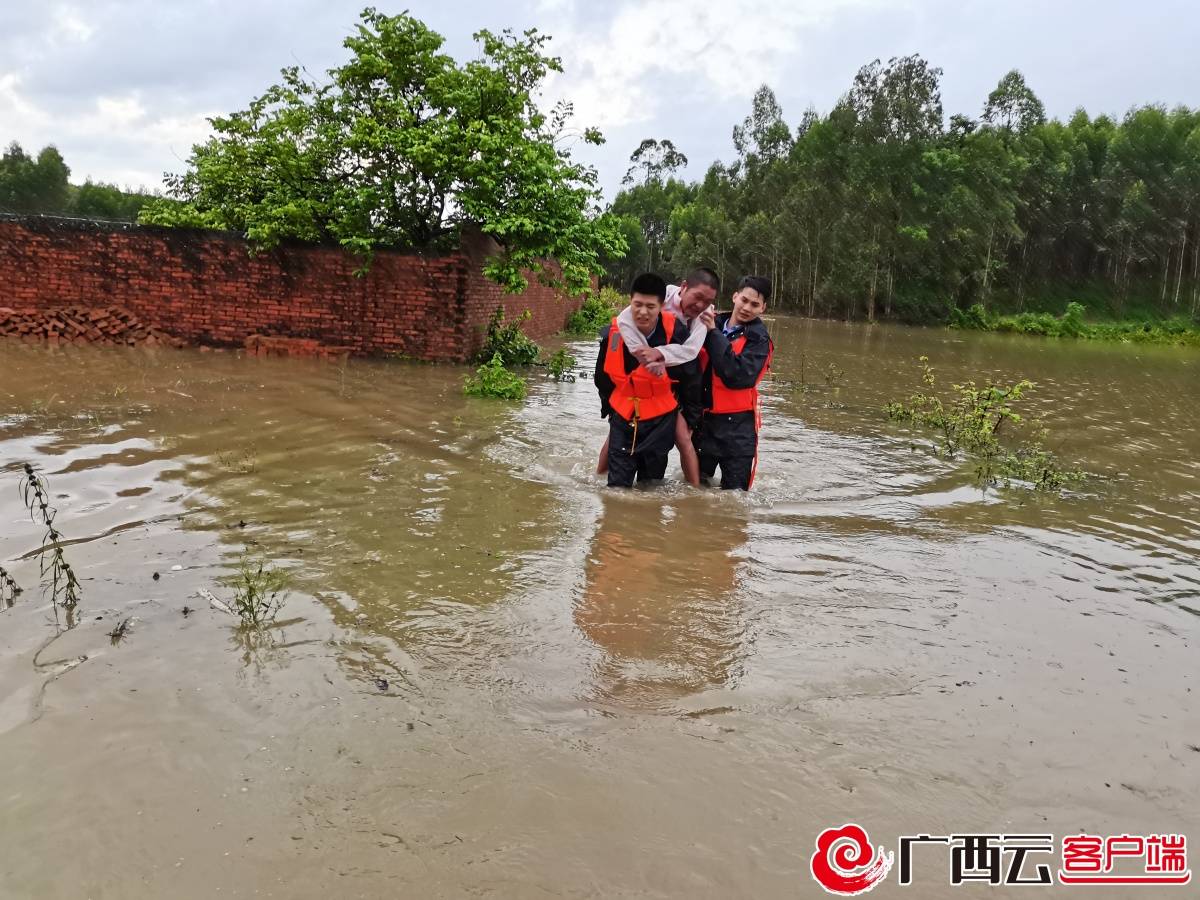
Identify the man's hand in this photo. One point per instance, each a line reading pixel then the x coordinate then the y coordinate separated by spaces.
pixel 656 368
pixel 708 318
pixel 648 355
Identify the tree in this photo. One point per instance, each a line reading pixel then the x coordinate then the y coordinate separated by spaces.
pixel 651 204
pixel 656 160
pixel 1013 106
pixel 900 102
pixel 107 201
pixel 763 134
pixel 33 186
pixel 400 147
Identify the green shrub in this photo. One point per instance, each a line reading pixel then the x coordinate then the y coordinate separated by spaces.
pixel 970 422
pixel 560 365
pixel 975 318
pixel 596 312
pixel 493 380
pixel 1071 324
pixel 514 347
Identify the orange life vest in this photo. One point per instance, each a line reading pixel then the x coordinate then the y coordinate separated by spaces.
pixel 638 394
pixel 727 400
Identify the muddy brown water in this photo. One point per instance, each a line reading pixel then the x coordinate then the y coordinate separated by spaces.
pixel 659 693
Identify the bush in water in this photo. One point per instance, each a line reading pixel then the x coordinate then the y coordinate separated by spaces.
pixel 259 591
pixel 493 380
pixel 560 365
pixel 971 421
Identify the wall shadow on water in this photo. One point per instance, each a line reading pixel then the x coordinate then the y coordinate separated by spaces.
pixel 660 599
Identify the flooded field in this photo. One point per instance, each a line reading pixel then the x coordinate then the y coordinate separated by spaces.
pixel 494 677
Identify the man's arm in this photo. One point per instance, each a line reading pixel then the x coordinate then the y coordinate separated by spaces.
pixel 604 384
pixel 677 354
pixel 633 338
pixel 738 370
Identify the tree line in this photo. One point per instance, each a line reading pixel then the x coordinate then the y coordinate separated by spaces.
pixel 884 208
pixel 40 185
pixel 881 208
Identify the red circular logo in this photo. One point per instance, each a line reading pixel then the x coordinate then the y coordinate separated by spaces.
pixel 845 863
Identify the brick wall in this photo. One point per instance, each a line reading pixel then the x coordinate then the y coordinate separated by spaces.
pixel 206 288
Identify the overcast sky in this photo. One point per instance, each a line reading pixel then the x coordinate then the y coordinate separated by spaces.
pixel 123 87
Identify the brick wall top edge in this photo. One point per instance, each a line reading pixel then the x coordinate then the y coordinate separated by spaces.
pixel 40 224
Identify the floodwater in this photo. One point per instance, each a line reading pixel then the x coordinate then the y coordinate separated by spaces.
pixel 494 677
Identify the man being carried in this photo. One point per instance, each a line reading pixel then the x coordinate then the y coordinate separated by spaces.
pixel 686 302
pixel 737 354
pixel 641 405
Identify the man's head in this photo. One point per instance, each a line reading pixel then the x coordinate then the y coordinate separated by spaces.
pixel 698 291
pixel 646 297
pixel 750 298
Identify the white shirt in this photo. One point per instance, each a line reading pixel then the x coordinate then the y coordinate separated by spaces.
pixel 673 354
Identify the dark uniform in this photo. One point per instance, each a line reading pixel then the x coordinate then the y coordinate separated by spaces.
pixel 734 362
pixel 641 408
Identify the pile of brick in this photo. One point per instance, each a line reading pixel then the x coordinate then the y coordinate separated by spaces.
pixel 273 345
pixel 82 325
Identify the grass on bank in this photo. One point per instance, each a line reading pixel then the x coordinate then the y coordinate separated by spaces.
pixel 1087 313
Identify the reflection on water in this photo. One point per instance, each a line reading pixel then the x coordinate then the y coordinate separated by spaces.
pixel 660 599
pixel 865 635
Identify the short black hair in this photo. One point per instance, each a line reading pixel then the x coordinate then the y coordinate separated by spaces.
pixel 756 283
pixel 703 275
pixel 649 283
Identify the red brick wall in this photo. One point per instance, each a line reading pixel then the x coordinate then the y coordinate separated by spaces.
pixel 206 288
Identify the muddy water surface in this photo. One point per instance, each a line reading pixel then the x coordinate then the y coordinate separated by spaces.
pixel 493 677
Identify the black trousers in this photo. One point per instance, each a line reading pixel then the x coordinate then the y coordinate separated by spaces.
pixel 648 461
pixel 736 471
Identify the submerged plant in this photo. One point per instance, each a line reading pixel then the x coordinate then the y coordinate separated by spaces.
pixel 259 591
pixel 971 421
pixel 514 347
pixel 120 631
pixel 9 589
pixel 560 364
pixel 63 586
pixel 242 462
pixel 833 375
pixel 493 380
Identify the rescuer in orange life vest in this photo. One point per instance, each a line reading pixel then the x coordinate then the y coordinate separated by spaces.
pixel 736 355
pixel 642 407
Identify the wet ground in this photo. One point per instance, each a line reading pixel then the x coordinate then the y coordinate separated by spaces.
pixel 493 677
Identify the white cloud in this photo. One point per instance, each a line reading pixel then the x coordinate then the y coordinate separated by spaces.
pixel 114 139
pixel 69 23
pixel 16 112
pixel 723 50
pixel 118 112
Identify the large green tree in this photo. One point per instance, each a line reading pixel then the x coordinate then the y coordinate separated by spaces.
pixel 400 147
